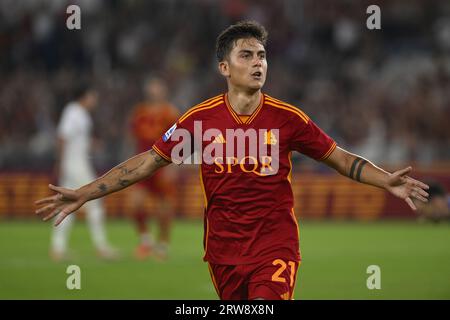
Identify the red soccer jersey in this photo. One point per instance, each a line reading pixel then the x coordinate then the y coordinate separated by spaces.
pixel 249 213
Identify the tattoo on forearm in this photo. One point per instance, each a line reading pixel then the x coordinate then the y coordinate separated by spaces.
pixel 123 175
pixel 124 183
pixel 124 171
pixel 103 187
pixel 357 165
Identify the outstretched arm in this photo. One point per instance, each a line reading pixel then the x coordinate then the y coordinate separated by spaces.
pixel 362 170
pixel 125 174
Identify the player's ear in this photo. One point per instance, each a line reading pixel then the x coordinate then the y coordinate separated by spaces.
pixel 224 68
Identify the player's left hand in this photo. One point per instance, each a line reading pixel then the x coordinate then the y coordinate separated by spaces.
pixel 406 188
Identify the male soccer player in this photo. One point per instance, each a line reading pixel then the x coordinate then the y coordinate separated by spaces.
pixel 251 235
pixel 149 120
pixel 74 169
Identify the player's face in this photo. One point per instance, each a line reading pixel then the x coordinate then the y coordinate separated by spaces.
pixel 156 90
pixel 246 65
pixel 91 99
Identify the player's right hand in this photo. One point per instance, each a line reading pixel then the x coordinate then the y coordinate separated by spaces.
pixel 62 204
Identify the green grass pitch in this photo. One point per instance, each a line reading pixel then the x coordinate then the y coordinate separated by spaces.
pixel 414 260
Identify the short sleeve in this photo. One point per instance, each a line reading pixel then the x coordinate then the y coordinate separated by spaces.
pixel 308 139
pixel 177 143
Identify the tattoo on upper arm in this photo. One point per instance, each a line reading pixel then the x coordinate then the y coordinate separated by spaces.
pixel 157 157
pixel 357 165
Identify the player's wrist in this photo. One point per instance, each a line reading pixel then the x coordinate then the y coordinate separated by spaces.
pixel 385 182
pixel 83 195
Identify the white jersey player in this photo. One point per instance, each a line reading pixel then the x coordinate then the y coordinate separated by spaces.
pixel 75 169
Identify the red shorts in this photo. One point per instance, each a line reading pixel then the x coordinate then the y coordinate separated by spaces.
pixel 158 184
pixel 270 280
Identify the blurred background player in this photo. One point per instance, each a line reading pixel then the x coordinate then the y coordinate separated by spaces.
pixel 149 120
pixel 74 169
pixel 437 209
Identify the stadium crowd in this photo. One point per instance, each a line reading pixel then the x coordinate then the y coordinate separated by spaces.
pixel 384 94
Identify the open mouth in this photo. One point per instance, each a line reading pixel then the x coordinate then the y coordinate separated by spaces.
pixel 257 74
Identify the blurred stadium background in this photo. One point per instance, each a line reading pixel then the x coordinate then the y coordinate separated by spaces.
pixel 384 94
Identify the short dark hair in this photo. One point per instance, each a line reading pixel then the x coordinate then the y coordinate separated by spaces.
pixel 240 30
pixel 81 88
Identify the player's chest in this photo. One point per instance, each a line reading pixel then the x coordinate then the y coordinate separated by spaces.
pixel 260 132
pixel 260 147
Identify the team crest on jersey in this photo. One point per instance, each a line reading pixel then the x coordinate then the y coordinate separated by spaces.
pixel 169 132
pixel 270 138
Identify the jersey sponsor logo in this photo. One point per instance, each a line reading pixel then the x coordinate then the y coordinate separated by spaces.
pixel 247 164
pixel 169 132
pixel 251 150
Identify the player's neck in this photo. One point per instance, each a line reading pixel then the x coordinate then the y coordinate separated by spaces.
pixel 155 103
pixel 83 105
pixel 244 103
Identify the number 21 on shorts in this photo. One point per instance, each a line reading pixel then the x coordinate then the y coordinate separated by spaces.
pixel 277 274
